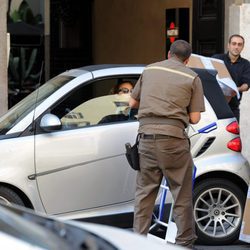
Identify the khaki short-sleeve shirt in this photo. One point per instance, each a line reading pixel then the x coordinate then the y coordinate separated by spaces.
pixel 168 89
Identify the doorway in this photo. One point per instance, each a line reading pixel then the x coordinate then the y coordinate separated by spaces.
pixel 70 35
pixel 208 27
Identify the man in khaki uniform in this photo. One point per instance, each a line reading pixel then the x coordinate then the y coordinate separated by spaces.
pixel 169 96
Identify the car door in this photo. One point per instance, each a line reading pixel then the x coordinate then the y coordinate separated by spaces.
pixel 82 166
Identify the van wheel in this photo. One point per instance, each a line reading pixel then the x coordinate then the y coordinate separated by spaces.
pixel 8 196
pixel 218 211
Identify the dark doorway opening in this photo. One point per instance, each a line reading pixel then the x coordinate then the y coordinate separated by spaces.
pixel 70 35
pixel 208 27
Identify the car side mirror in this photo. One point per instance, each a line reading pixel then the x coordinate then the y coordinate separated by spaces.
pixel 50 122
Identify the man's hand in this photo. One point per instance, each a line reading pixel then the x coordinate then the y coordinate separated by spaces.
pixel 244 87
pixel 194 117
pixel 133 103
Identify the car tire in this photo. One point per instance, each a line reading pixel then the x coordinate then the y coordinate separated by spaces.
pixel 8 196
pixel 218 211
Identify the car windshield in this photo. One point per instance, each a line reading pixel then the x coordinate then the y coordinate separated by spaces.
pixel 23 226
pixel 25 106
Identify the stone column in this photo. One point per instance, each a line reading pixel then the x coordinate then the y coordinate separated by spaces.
pixel 3 58
pixel 47 39
pixel 239 23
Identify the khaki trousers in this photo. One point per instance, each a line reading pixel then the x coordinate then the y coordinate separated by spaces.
pixel 171 158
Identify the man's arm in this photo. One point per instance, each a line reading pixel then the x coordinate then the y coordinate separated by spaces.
pixel 194 117
pixel 133 103
pixel 197 104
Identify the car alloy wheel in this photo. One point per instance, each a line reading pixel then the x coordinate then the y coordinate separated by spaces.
pixel 218 210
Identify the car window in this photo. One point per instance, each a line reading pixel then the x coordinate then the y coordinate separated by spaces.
pixel 92 104
pixel 26 105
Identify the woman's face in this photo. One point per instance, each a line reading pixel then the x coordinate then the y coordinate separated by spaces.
pixel 125 88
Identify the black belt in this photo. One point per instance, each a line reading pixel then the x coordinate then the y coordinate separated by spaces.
pixel 154 136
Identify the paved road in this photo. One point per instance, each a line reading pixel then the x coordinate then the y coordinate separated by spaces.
pixel 237 246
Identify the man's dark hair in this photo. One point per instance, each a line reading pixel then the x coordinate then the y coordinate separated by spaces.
pixel 181 49
pixel 236 35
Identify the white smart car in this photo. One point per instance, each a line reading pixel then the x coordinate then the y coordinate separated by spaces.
pixel 23 229
pixel 62 152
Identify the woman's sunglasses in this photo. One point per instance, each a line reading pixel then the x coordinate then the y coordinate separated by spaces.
pixel 124 90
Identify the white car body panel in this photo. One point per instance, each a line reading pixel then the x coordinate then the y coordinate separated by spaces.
pixel 126 239
pixel 23 229
pixel 84 163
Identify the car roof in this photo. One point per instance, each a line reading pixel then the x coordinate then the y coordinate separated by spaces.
pixel 92 68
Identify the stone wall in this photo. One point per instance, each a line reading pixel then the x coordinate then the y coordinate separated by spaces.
pixel 3 58
pixel 245 124
pixel 239 19
pixel 139 24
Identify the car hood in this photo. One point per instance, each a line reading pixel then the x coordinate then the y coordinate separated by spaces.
pixel 20 225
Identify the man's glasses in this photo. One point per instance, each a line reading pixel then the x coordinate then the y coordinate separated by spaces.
pixel 124 90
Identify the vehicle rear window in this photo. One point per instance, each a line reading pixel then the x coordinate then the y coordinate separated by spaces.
pixel 213 93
